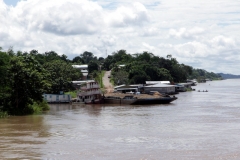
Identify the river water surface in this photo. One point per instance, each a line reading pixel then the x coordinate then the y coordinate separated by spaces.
pixel 198 125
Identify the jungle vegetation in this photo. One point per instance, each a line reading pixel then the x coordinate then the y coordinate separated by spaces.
pixel 26 76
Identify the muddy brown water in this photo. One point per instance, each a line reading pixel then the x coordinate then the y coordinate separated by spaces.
pixel 199 125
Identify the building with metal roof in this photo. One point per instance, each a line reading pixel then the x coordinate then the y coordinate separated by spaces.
pixel 161 88
pixel 83 69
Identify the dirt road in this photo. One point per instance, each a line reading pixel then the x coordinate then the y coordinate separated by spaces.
pixel 106 82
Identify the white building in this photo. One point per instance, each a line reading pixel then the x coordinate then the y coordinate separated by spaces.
pixel 157 82
pixel 57 98
pixel 82 68
pixel 129 88
pixel 77 84
pixel 121 65
pixel 161 88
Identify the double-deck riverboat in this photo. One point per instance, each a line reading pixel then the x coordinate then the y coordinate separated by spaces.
pixel 89 93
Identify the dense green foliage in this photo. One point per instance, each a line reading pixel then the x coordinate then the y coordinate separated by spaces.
pixel 25 77
pixel 4 78
pixel 39 107
pixel 72 93
pixel 201 74
pixel 3 114
pixel 145 66
pixel 61 75
pixel 28 83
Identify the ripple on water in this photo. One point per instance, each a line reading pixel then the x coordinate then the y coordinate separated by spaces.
pixel 196 126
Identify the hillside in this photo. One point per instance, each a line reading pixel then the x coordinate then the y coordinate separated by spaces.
pixel 228 76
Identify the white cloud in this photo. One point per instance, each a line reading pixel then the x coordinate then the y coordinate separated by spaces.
pixel 152 31
pixel 203 33
pixel 148 47
pixel 187 34
pixel 224 42
pixel 70 17
pixel 192 49
pixel 135 14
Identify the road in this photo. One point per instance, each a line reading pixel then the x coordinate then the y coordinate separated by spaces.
pixel 106 82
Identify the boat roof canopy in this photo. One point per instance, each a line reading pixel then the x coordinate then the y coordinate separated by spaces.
pixel 159 85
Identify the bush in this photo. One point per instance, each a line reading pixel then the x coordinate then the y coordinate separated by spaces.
pixel 3 114
pixel 39 107
pixel 72 93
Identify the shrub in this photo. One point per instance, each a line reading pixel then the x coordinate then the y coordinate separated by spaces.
pixel 3 114
pixel 39 107
pixel 72 93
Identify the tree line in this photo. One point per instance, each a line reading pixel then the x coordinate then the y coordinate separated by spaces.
pixel 141 67
pixel 26 76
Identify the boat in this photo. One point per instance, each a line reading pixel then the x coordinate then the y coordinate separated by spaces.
pixel 162 100
pixel 89 93
pixel 118 100
pixel 138 99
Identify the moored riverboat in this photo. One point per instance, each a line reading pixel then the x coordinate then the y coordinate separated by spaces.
pixel 162 100
pixel 140 99
pixel 118 100
pixel 89 93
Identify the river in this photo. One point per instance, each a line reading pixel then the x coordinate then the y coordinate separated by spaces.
pixel 198 125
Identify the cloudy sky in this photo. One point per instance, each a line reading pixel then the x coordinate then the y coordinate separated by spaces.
pixel 204 34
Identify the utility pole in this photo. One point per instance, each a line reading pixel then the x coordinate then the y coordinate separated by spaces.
pixel 100 67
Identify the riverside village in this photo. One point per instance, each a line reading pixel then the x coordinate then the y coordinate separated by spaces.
pixel 89 91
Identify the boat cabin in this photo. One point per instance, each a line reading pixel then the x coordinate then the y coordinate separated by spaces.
pixel 89 93
pixel 161 88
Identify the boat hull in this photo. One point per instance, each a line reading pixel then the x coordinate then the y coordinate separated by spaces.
pixel 145 101
pixel 96 101
pixel 163 100
pixel 118 101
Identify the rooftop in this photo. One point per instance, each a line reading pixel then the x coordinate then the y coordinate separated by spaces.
pixel 85 66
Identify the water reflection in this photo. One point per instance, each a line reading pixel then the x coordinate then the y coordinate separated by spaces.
pixel 90 109
pixel 22 137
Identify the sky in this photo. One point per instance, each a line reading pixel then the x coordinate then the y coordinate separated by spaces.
pixel 203 34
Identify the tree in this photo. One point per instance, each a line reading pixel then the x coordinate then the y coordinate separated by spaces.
pixel 120 77
pixel 78 60
pixel 101 59
pixel 4 78
pixel 27 86
pixel 108 61
pixel 164 75
pixel 145 56
pixel 64 58
pixel 33 52
pixel 10 51
pixel 61 75
pixel 87 57
pixel 138 76
pixel 51 56
pixel 94 75
pixel 92 66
